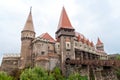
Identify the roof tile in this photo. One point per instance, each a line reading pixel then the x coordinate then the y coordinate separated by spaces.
pixel 64 21
pixel 47 37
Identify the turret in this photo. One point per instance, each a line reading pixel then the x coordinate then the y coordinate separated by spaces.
pixel 99 45
pixel 64 26
pixel 65 34
pixel 27 35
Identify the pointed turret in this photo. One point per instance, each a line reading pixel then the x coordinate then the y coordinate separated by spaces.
pixel 29 23
pixel 65 34
pixel 99 42
pixel 64 25
pixel 64 21
pixel 27 36
pixel 99 45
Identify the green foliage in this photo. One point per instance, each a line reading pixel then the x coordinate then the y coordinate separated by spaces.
pixel 118 73
pixel 57 74
pixel 34 74
pixel 4 76
pixel 40 74
pixel 77 76
pixel 51 77
pixel 118 57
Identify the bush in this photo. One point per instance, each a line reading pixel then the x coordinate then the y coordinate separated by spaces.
pixel 4 76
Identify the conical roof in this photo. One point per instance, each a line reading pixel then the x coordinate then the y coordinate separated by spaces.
pixel 64 21
pixel 29 23
pixel 99 42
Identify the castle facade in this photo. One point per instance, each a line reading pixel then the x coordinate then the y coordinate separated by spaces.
pixel 47 52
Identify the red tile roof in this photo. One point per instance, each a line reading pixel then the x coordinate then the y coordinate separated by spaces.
pixel 77 34
pixel 99 42
pixel 64 21
pixel 88 42
pixel 81 37
pixel 47 37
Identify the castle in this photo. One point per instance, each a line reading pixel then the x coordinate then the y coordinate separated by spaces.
pixel 70 50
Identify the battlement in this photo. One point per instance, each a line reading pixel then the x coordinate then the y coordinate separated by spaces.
pixel 11 55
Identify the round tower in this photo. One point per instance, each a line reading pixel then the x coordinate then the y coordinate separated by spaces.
pixel 27 36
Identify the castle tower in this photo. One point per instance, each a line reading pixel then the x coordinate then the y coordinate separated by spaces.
pixel 27 35
pixel 65 34
pixel 99 45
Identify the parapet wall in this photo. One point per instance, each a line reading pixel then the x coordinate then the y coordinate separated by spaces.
pixel 11 55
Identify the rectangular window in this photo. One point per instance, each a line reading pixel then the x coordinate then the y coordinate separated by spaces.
pixel 68 45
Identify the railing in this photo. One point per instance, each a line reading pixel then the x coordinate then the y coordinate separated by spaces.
pixel 115 63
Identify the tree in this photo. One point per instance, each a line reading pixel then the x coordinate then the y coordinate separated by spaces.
pixel 117 72
pixel 118 69
pixel 34 74
pixel 38 73
pixel 118 57
pixel 4 76
pixel 77 76
pixel 57 74
pixel 51 77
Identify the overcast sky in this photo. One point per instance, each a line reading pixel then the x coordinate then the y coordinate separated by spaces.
pixel 93 18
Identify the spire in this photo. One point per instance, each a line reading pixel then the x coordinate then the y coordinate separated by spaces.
pixel 64 21
pixel 99 42
pixel 29 23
